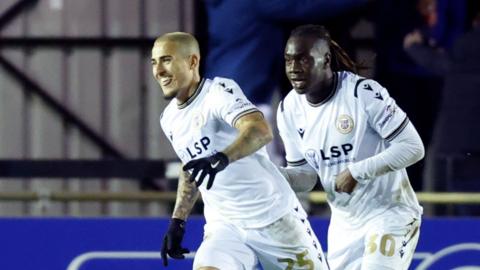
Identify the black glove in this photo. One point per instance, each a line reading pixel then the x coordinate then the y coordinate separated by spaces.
pixel 173 240
pixel 208 166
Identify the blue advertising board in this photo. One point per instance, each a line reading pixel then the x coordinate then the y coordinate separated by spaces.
pixel 134 243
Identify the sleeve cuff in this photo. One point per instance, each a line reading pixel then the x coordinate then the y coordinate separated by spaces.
pixel 296 163
pixel 238 116
pixel 356 172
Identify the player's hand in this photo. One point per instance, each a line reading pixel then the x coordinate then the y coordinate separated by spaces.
pixel 172 241
pixel 345 182
pixel 207 166
pixel 412 38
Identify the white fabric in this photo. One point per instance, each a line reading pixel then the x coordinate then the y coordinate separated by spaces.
pixel 250 192
pixel 358 121
pixel 385 242
pixel 404 150
pixel 290 238
pixel 301 178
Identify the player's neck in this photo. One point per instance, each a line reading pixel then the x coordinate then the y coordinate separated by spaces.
pixel 188 92
pixel 322 91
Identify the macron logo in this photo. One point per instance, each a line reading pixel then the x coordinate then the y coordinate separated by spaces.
pixel 368 87
pixel 229 90
pixel 301 131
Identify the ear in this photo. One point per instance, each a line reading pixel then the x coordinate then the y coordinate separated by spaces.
pixel 194 61
pixel 328 60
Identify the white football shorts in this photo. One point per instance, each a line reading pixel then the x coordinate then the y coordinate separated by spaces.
pixel 288 243
pixel 385 242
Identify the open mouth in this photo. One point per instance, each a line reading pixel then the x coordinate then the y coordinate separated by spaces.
pixel 166 81
pixel 298 83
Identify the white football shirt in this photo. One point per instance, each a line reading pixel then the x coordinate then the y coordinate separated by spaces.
pixel 250 192
pixel 355 122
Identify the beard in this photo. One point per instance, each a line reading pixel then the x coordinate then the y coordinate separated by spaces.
pixel 168 97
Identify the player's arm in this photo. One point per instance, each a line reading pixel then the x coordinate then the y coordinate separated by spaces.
pixel 392 124
pixel 405 149
pixel 301 178
pixel 253 133
pixel 229 104
pixel 187 195
pixel 299 174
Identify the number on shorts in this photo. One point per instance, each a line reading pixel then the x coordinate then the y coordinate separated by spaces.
pixel 304 262
pixel 290 263
pixel 372 246
pixel 301 261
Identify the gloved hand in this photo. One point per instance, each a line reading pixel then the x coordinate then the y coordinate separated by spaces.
pixel 208 166
pixel 173 240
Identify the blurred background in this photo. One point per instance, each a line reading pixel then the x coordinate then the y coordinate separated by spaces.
pixel 79 108
pixel 79 111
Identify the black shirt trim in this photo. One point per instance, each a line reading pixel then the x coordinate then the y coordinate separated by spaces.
pixel 296 163
pixel 192 98
pixel 331 95
pixel 398 130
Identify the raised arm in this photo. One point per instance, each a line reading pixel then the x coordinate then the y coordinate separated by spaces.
pixel 254 133
pixel 392 124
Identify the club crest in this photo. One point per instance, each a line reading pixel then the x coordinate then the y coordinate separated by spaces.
pixel 345 124
pixel 198 120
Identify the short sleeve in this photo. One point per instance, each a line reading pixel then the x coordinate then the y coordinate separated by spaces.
pixel 384 115
pixel 230 103
pixel 292 153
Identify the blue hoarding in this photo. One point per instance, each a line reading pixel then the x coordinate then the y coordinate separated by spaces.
pixel 134 243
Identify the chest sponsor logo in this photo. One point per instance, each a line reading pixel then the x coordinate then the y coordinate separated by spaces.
pixel 336 151
pixel 331 156
pixel 198 147
pixel 344 124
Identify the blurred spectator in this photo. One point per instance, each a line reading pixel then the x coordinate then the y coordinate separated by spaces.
pixel 454 153
pixel 440 22
pixel 443 21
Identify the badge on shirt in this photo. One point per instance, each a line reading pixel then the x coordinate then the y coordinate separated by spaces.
pixel 198 120
pixel 345 124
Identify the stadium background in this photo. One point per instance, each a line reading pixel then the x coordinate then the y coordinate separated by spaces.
pixel 80 141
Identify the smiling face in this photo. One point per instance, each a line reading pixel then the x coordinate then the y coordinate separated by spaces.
pixel 172 68
pixel 307 63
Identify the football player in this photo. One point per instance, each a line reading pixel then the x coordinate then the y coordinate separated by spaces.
pixel 349 131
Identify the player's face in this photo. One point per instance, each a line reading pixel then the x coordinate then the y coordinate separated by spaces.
pixel 171 69
pixel 305 63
